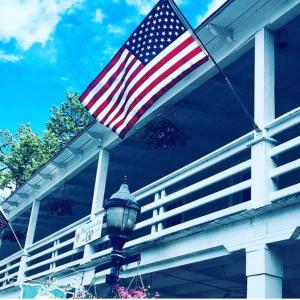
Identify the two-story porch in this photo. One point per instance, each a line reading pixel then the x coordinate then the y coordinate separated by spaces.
pixel 220 213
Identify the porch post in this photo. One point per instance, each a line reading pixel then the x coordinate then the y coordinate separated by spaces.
pixel 264 112
pixel 29 237
pixel 264 273
pixel 98 196
pixel 100 181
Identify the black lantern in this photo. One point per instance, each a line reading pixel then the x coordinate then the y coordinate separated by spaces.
pixel 122 212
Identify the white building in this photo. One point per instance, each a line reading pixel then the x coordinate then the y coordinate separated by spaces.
pixel 221 214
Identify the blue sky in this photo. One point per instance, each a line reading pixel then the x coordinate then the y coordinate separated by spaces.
pixel 50 47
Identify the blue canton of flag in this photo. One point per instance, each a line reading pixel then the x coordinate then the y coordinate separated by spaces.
pixel 158 54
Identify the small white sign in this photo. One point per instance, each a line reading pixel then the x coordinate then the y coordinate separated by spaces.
pixel 88 233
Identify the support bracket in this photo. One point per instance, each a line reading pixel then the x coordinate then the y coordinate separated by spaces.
pixel 220 32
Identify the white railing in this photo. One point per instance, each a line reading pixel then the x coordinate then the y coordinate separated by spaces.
pixel 164 219
pixel 277 129
pixel 211 187
pixel 9 268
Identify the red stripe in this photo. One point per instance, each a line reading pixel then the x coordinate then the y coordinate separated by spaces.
pixel 107 101
pixel 108 84
pixel 159 79
pixel 158 95
pixel 132 76
pixel 154 69
pixel 101 75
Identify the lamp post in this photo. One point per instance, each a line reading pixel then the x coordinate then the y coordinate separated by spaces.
pixel 122 212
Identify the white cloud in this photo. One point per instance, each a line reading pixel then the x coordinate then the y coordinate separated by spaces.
pixel 31 21
pixel 5 57
pixel 99 16
pixel 115 29
pixel 143 6
pixel 211 8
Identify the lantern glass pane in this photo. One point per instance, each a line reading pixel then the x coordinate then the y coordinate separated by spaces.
pixel 115 217
pixel 129 219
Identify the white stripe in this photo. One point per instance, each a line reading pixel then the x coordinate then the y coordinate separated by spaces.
pixel 116 95
pixel 105 78
pixel 111 87
pixel 149 66
pixel 158 88
pixel 154 76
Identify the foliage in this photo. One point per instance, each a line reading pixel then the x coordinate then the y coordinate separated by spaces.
pixel 25 152
pixel 20 156
pixel 66 122
pixel 164 133
pixel 134 293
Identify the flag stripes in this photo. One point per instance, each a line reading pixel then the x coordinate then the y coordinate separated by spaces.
pixel 155 58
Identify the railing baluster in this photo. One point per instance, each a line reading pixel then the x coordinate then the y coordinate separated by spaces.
pixel 54 254
pixel 154 227
pixel 161 210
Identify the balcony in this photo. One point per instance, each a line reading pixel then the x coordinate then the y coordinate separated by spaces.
pixel 229 191
pixel 200 196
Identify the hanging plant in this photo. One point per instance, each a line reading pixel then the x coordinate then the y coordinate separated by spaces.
pixel 59 207
pixel 164 133
pixel 120 292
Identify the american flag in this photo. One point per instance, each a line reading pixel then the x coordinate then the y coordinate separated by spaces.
pixel 3 220
pixel 158 54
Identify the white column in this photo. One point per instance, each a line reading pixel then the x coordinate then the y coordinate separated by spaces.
pixel 264 112
pixel 29 237
pixel 98 196
pixel 100 181
pixel 264 273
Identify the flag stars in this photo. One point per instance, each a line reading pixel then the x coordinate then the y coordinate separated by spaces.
pixel 157 32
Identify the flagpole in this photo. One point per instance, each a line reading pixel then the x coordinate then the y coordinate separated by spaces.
pixel 15 236
pixel 231 87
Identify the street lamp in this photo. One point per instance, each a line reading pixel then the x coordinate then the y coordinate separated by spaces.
pixel 122 212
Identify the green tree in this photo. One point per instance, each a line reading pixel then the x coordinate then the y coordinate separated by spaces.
pixel 20 155
pixel 25 152
pixel 66 122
